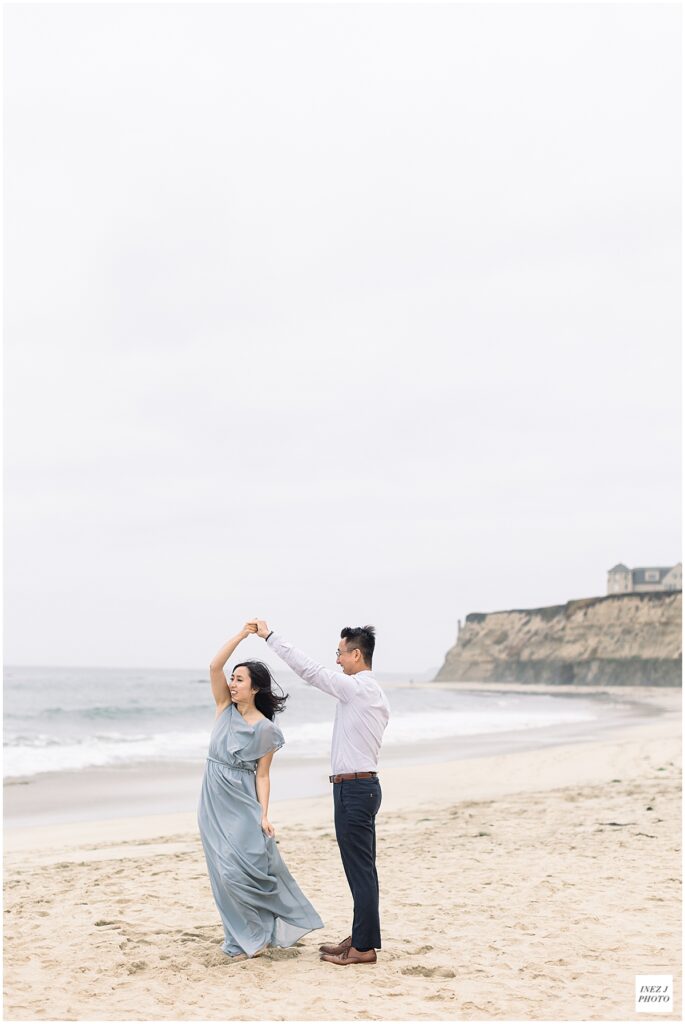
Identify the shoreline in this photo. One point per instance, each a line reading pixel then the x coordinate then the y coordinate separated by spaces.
pixel 167 787
pixel 480 773
pixel 529 885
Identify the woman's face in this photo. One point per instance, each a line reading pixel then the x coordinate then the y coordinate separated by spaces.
pixel 241 686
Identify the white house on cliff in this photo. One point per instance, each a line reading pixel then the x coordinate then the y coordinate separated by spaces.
pixel 623 580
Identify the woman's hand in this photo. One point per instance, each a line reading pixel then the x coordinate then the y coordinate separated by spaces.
pixel 268 827
pixel 249 627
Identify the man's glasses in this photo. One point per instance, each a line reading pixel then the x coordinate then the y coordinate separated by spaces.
pixel 339 652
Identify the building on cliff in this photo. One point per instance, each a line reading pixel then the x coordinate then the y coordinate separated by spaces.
pixel 648 579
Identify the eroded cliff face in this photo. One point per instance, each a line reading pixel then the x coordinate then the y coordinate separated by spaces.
pixel 621 640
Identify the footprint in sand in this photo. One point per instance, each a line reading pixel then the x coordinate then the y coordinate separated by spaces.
pixel 429 972
pixel 217 958
pixel 284 954
pixel 136 966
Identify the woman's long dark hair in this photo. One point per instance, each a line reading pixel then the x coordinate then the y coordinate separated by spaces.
pixel 266 701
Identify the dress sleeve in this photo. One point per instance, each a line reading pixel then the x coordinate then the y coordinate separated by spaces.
pixel 270 738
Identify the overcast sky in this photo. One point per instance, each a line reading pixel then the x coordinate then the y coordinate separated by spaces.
pixel 335 315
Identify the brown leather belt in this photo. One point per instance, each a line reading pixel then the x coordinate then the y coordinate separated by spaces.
pixel 348 776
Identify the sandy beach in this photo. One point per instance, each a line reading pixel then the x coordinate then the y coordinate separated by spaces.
pixel 530 885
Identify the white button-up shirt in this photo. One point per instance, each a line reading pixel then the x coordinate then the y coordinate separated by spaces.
pixel 361 715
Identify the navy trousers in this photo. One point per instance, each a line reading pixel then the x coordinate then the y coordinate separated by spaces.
pixel 356 803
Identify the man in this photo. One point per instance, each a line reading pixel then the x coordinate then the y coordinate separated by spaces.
pixel 361 716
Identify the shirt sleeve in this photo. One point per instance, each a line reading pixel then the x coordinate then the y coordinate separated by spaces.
pixel 337 684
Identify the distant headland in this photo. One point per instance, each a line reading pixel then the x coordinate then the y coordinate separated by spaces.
pixel 624 639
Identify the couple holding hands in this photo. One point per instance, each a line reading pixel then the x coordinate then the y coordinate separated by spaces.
pixel 259 901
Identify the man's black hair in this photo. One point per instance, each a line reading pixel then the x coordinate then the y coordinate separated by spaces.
pixel 362 638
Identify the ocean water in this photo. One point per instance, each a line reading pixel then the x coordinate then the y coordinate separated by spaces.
pixel 68 719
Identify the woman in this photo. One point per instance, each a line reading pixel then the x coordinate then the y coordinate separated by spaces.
pixel 259 901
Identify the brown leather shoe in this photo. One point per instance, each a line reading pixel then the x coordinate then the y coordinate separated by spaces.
pixel 335 950
pixel 351 956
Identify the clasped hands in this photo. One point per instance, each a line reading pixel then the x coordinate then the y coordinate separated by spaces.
pixel 257 626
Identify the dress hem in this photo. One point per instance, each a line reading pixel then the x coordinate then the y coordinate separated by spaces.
pixel 275 945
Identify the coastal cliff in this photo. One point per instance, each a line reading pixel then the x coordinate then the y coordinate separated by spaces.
pixel 620 640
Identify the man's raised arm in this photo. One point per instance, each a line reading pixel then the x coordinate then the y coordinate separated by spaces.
pixel 336 683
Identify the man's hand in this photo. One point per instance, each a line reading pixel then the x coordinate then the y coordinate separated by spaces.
pixel 262 629
pixel 249 627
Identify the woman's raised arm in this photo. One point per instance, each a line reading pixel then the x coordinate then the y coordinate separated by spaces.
pixel 217 676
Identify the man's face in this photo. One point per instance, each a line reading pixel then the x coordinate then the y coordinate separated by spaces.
pixel 347 659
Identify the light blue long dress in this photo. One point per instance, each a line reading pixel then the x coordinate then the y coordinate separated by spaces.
pixel 259 901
